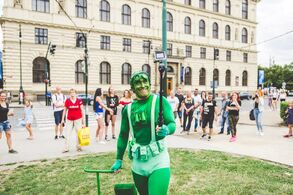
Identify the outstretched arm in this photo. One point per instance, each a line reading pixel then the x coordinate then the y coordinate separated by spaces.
pixel 123 136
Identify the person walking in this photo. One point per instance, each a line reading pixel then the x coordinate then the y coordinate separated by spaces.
pixel 180 97
pixel 258 108
pixel 73 109
pixel 289 112
pixel 4 123
pixel 283 96
pixel 197 104
pixel 275 100
pixel 233 108
pixel 28 118
pixel 174 102
pixel 112 101
pixel 188 108
pixel 224 114
pixel 58 100
pixel 99 107
pixel 126 99
pixel 270 99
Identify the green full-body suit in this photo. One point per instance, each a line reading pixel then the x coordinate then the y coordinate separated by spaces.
pixel 151 175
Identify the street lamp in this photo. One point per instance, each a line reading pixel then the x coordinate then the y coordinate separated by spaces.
pixel 21 95
pixel 47 80
pixel 164 43
pixel 216 57
pixel 86 79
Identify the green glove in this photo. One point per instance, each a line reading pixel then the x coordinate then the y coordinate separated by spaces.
pixel 117 165
pixel 163 132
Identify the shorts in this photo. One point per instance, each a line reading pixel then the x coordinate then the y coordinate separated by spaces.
pixel 179 113
pixel 282 100
pixel 206 120
pixel 274 98
pixel 114 109
pixel 99 115
pixel 175 114
pixel 58 117
pixel 29 120
pixel 5 126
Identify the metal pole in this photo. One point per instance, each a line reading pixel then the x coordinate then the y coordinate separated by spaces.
pixel 20 66
pixel 214 74
pixel 46 75
pixel 98 183
pixel 86 80
pixel 164 43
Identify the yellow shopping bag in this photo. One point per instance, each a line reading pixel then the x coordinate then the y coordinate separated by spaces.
pixel 84 136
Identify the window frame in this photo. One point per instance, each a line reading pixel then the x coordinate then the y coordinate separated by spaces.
pixel 202 4
pixel 105 42
pixel 244 35
pixel 169 49
pixel 39 72
pixel 187 25
pixel 227 33
pixel 126 43
pixel 81 10
pixel 245 79
pixel 45 5
pixel 148 69
pixel 187 77
pixel 79 74
pixel 188 51
pixel 169 22
pixel 245 57
pixel 202 28
pixel 215 30
pixel 126 14
pixel 203 53
pixel 244 9
pixel 228 7
pixel 228 55
pixel 105 11
pixel 146 46
pixel 145 18
pixel 105 73
pixel 41 36
pixel 80 40
pixel 215 5
pixel 126 74
pixel 202 77
pixel 216 77
pixel 228 78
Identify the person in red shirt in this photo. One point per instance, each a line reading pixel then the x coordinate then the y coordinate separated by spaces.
pixel 73 109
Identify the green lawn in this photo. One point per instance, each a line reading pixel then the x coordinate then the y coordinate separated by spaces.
pixel 193 172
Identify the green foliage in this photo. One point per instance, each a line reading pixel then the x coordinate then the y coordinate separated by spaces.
pixel 283 108
pixel 192 172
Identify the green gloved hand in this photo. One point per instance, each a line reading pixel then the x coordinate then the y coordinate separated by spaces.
pixel 163 132
pixel 117 165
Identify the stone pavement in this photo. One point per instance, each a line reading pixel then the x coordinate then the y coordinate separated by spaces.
pixel 272 146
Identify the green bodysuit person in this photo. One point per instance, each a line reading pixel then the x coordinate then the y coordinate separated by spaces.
pixel 146 149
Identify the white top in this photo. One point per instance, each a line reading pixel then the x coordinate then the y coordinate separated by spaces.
pixel 174 102
pixel 58 101
pixel 197 101
pixel 283 96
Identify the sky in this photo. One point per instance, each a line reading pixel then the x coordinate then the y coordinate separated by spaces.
pixel 274 17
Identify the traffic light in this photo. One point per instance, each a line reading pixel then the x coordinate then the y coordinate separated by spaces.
pixel 52 49
pixel 216 54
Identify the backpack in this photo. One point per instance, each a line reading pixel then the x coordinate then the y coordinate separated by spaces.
pixel 251 115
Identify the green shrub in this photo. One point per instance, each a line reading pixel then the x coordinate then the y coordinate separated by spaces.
pixel 284 106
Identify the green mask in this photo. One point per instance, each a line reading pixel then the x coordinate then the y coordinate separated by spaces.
pixel 140 84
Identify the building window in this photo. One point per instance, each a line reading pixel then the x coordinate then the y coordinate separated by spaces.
pixel 237 81
pixel 202 4
pixel 245 9
pixel 41 5
pixel 126 73
pixel 81 8
pixel 202 28
pixel 146 68
pixel 188 51
pixel 216 75
pixel 126 15
pixel 105 42
pixel 187 25
pixel 146 18
pixel 244 78
pixel 146 46
pixel 80 40
pixel 187 2
pixel 215 31
pixel 228 7
pixel 169 49
pixel 104 11
pixel 244 35
pixel 228 55
pixel 187 76
pixel 79 74
pixel 227 33
pixel 105 73
pixel 228 78
pixel 126 45
pixel 41 36
pixel 169 22
pixel 216 6
pixel 39 69
pixel 202 76
pixel 203 53
pixel 245 57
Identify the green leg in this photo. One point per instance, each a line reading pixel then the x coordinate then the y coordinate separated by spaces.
pixel 159 182
pixel 141 183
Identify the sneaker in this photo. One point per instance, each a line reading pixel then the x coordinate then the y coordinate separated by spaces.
pixel 261 134
pixel 228 133
pixel 11 151
pixel 288 135
pixel 233 139
pixel 203 136
pixel 113 137
pixel 102 142
pixel 62 136
pixel 65 151
pixel 106 138
pixel 195 130
pixel 182 131
pixel 221 132
pixel 209 138
pixel 78 149
pixel 56 136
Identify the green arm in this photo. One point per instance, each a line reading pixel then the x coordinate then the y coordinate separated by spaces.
pixel 123 136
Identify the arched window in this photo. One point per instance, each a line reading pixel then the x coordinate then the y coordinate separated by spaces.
pixel 244 35
pixel 215 31
pixel 126 14
pixel 244 9
pixel 145 18
pixel 146 68
pixel 202 28
pixel 104 11
pixel 79 73
pixel 216 6
pixel 187 76
pixel 228 7
pixel 105 73
pixel 227 33
pixel 244 78
pixel 39 69
pixel 216 76
pixel 228 78
pixel 125 73
pixel 187 25
pixel 202 76
pixel 169 22
pixel 170 69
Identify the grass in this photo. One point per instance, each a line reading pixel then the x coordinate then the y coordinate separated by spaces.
pixel 192 172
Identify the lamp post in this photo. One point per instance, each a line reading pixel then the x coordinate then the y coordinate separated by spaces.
pixel 164 43
pixel 46 75
pixel 216 56
pixel 86 79
pixel 20 97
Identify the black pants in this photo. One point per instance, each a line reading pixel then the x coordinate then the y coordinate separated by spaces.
pixel 185 116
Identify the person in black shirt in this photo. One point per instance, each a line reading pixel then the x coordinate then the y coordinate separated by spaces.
pixel 188 108
pixel 233 108
pixel 4 123
pixel 208 111
pixel 112 102
pixel 180 98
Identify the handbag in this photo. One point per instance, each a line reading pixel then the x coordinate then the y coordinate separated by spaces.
pixel 251 115
pixel 84 136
